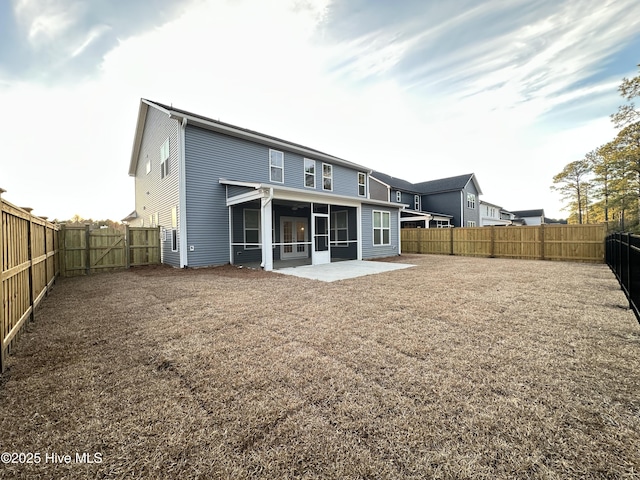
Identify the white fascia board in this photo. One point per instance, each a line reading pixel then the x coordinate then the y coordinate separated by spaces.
pixel 224 181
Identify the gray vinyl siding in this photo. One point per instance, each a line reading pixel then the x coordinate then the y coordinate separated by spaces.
pixel 406 198
pixel 234 190
pixel 211 156
pixel 378 191
pixel 447 203
pixel 377 251
pixel 162 193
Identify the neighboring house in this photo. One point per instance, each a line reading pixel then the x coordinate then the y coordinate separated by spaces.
pixel 494 215
pixel 224 194
pixel 530 217
pixel 403 192
pixel 456 196
pixel 456 199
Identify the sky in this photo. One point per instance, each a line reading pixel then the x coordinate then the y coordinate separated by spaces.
pixel 511 90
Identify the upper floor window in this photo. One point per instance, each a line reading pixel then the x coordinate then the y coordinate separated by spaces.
pixel 381 228
pixel 398 196
pixel 327 176
pixel 362 184
pixel 471 223
pixel 276 166
pixel 164 159
pixel 309 173
pixel 416 202
pixel 471 200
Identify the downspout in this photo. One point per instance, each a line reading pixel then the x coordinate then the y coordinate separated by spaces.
pixel 183 197
pixel 461 208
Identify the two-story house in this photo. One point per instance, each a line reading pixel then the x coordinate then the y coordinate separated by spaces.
pixel 225 194
pixel 494 215
pixel 455 199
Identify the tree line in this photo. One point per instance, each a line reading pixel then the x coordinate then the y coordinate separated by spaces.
pixel 604 186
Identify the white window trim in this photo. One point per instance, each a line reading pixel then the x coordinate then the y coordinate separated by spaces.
pixel 271 166
pixel 471 200
pixel 335 229
pixel 362 184
pixel 174 244
pixel 382 228
pixel 330 177
pixel 399 196
pixel 471 223
pixel 165 153
pixel 313 175
pixel 416 202
pixel 244 229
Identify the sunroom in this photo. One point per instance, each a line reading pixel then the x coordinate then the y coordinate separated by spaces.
pixel 277 227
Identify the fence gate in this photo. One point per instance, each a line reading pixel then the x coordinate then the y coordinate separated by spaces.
pixel 86 251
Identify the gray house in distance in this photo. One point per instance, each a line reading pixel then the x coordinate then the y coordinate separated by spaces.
pixel 224 194
pixel 455 199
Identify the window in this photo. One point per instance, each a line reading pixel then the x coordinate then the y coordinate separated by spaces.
pixel 174 229
pixel 362 184
pixel 398 197
pixel 471 223
pixel 327 176
pixel 471 200
pixel 148 168
pixel 381 228
pixel 276 166
pixel 164 159
pixel 416 202
pixel 339 229
pixel 252 229
pixel 442 224
pixel 309 173
pixel 174 240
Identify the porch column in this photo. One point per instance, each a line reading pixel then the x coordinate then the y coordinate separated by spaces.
pixel 266 227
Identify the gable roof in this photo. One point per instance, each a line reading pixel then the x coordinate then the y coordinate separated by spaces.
pixel 450 184
pixel 394 182
pixel 226 129
pixel 528 213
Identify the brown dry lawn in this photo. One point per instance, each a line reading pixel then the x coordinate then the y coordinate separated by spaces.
pixel 456 368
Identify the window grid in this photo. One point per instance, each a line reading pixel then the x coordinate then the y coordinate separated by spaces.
pixel 327 176
pixel 276 166
pixel 381 228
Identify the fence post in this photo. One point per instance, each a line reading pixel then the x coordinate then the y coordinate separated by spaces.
pixel 493 242
pixel 2 352
pixel 451 241
pixel 62 254
pixel 32 296
pixel 542 234
pixel 87 249
pixel 127 247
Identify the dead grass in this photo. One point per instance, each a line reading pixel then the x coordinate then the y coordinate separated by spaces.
pixel 457 368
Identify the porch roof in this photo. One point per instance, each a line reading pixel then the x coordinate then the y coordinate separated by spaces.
pixel 281 192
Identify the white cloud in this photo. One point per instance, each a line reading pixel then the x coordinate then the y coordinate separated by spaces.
pixel 45 21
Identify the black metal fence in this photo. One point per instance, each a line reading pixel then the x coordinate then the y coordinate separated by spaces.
pixel 622 254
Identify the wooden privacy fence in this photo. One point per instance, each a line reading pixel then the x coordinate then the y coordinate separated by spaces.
pixel 575 243
pixel 85 251
pixel 28 268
